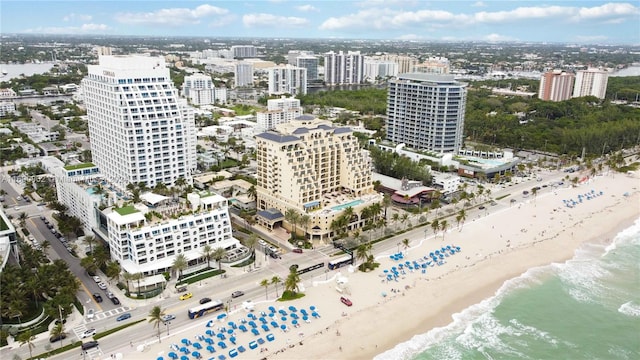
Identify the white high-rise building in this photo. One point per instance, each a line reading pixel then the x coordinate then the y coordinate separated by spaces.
pixel 426 112
pixel 199 89
pixel 141 131
pixel 287 79
pixel 591 82
pixel 341 68
pixel 279 111
pixel 244 51
pixel 244 74
pixel 379 69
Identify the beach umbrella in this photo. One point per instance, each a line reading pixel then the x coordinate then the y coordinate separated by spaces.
pixel 284 318
pixel 184 357
pixel 221 316
pixel 185 341
pixel 210 332
pixel 292 308
pixel 241 348
pixel 312 307
pixel 184 350
pixel 294 322
pixel 211 349
pixel 197 345
pixel 272 309
pixel 208 341
pixel 263 320
pixel 160 358
pixel 283 327
pixel 265 327
pixel 195 354
pixel 233 340
pixel 230 331
pixel 295 316
pixel 243 328
pixel 222 357
pixel 173 355
pixel 305 318
pixel 303 311
pixel 274 324
pixel 222 344
pixel 255 332
pixel 315 314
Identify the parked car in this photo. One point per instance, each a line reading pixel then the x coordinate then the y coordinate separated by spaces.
pixel 90 314
pixel 124 316
pixel 58 338
pixel 205 300
pixel 274 255
pixel 115 300
pixel 168 317
pixel 88 333
pixel 97 279
pixel 236 294
pixel 346 301
pixel 102 286
pixel 186 296
pixel 297 250
pixel 182 289
pixel 110 295
pixel 97 297
pixel 89 345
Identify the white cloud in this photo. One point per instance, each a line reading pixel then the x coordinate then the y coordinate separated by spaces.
pixel 394 3
pixel 173 16
pixel 270 20
pixel 82 29
pixel 409 37
pixel 77 17
pixel 607 10
pixel 498 38
pixel 479 4
pixel 306 8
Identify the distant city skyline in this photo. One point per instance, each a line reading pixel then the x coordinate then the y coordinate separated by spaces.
pixel 586 22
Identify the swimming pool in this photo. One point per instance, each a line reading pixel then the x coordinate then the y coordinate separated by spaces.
pixel 346 205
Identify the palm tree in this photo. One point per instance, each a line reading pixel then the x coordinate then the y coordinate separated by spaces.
pixel 305 220
pixel 292 216
pixel 435 225
pixel 292 280
pixel 462 216
pixel 265 283
pixel 275 281
pixel 443 226
pixel 405 243
pixel 404 218
pixel 89 240
pixel 251 242
pixel 386 202
pixel 362 251
pixel 26 337
pixel 58 331
pixel 252 193
pixel 207 253
pixel 395 218
pixel 137 276
pixel 113 270
pixel 179 264
pixel 155 316
pixel 219 254
pixel 23 219
pixel 127 277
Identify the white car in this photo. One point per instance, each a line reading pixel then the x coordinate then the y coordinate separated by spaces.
pixel 102 286
pixel 88 333
pixel 97 279
pixel 90 314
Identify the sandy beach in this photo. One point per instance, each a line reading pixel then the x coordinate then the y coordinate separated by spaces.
pixel 528 233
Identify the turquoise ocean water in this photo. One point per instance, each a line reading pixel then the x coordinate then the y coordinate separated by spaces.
pixel 586 308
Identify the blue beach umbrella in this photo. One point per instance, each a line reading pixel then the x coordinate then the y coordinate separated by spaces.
pixel 211 349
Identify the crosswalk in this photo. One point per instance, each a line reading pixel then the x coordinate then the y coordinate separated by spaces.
pixel 108 313
pixel 93 353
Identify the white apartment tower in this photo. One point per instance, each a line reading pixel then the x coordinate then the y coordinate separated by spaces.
pixel 140 129
pixel 199 89
pixel 379 69
pixel 341 68
pixel 279 111
pixel 244 74
pixel 591 82
pixel 244 51
pixel 426 112
pixel 287 79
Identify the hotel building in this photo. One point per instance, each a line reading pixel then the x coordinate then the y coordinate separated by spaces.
pixel 341 68
pixel 310 166
pixel 141 130
pixel 426 112
pixel 591 82
pixel 556 85
pixel 379 69
pixel 199 89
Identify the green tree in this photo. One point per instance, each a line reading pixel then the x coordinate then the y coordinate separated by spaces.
pixel 207 253
pixel 292 217
pixel 275 281
pixel 155 316
pixel 26 337
pixel 58 330
pixel 179 264
pixel 265 283
pixel 292 280
pixel 219 254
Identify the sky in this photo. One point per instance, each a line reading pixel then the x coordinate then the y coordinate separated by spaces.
pixel 585 22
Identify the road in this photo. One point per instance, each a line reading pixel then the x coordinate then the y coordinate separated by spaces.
pixel 247 280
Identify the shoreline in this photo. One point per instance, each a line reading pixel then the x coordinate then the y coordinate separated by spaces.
pixel 495 248
pixel 439 308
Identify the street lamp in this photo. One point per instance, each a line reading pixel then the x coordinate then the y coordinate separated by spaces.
pixel 167 323
pixel 425 234
pixel 398 247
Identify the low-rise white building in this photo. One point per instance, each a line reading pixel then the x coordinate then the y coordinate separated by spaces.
pixel 446 183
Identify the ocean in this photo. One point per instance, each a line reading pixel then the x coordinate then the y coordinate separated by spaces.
pixel 585 308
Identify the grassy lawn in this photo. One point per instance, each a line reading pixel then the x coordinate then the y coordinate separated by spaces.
pixel 79 166
pixel 126 210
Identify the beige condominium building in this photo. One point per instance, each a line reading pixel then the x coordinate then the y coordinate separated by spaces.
pixel 315 168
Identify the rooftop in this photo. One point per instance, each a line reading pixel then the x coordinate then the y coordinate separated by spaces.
pixel 79 166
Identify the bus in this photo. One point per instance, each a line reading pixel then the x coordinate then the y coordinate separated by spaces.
pixel 340 262
pixel 203 309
